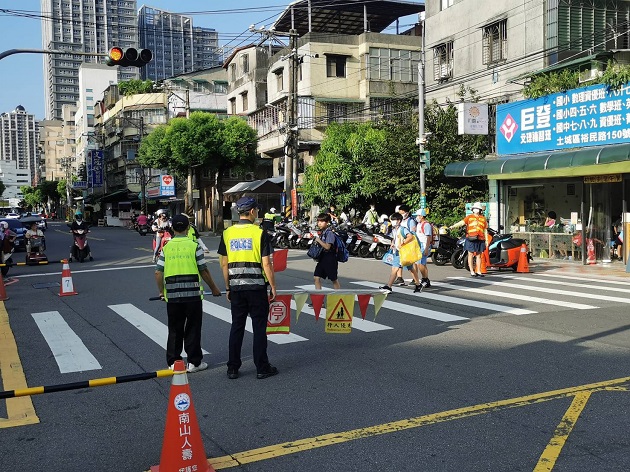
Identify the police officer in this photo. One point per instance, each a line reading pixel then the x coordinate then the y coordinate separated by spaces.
pixel 177 274
pixel 244 254
pixel 268 219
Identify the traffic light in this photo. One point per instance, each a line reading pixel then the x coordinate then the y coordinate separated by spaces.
pixel 425 160
pixel 130 57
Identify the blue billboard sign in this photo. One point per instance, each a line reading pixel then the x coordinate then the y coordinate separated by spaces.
pixel 589 116
pixel 94 168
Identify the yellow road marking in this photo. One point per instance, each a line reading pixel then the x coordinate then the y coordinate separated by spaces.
pixel 292 447
pixel 554 448
pixel 20 411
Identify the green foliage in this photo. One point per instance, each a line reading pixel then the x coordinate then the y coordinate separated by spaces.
pixel 133 87
pixel 2 187
pixel 202 140
pixel 61 188
pixel 33 196
pixel 359 163
pixel 554 82
pixel 615 75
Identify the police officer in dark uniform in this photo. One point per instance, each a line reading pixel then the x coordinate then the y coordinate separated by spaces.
pixel 178 274
pixel 247 270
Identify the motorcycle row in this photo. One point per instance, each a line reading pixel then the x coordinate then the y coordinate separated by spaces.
pixel 364 241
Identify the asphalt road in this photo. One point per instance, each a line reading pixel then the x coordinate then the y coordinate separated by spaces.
pixel 513 372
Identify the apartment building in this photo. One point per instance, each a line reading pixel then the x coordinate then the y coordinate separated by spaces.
pixel 349 70
pixel 566 152
pixel 19 150
pixel 91 26
pixel 178 46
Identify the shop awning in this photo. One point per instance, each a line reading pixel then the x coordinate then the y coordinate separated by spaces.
pixel 116 196
pixel 271 185
pixel 592 156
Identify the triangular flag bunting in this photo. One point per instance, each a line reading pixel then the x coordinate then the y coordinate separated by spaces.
pixel 364 301
pixel 300 300
pixel 379 298
pixel 317 301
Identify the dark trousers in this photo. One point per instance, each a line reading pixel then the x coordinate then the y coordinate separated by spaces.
pixel 256 304
pixel 184 331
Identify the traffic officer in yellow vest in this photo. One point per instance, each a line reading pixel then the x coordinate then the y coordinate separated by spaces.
pixel 193 234
pixel 178 274
pixel 244 252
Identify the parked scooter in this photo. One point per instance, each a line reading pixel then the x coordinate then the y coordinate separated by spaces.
pixel 443 250
pixel 503 251
pixel 281 236
pixel 383 243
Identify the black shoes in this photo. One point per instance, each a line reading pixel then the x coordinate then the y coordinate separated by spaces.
pixel 232 374
pixel 268 371
pixel 400 282
pixel 386 289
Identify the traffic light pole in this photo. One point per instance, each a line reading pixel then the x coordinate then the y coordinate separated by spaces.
pixel 10 52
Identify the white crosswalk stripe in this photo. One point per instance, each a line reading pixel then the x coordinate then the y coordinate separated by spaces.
pixel 510 295
pixel 67 348
pixel 459 301
pixel 411 310
pixel 224 314
pixel 602 286
pixel 152 328
pixel 572 294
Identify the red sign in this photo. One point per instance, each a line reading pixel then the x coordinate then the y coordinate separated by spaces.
pixel 279 318
pixel 167 179
pixel 294 203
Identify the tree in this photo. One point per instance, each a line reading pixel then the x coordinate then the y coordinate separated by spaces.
pixel 33 196
pixel 200 142
pixel 134 86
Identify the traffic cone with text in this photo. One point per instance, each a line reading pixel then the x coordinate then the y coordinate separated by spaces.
pixel 67 288
pixel 3 292
pixel 523 263
pixel 182 448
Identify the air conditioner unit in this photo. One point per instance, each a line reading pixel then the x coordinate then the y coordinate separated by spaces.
pixel 589 75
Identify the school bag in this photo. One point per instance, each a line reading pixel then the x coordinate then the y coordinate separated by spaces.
pixel 342 250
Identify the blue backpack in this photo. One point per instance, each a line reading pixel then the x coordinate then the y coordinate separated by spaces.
pixel 342 250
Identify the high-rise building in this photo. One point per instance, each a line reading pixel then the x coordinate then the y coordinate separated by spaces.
pixel 83 26
pixel 19 154
pixel 178 46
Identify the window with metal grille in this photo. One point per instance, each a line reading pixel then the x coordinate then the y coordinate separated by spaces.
pixel 495 42
pixel 443 61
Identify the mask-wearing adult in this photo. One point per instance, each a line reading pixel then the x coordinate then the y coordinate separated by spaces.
pixel 395 223
pixel 372 207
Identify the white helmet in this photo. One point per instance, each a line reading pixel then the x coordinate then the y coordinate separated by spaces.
pixel 272 210
pixel 4 224
pixel 478 206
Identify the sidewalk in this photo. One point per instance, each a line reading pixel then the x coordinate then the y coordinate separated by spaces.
pixel 599 270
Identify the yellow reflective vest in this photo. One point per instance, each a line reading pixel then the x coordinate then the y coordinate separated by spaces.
pixel 243 246
pixel 182 282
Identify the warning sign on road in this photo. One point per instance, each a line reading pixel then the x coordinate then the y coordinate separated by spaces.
pixel 339 310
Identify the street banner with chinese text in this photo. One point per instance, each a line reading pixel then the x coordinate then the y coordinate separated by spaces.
pixel 339 309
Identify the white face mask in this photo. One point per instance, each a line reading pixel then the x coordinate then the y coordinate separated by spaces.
pixel 395 223
pixel 372 207
pixel 476 211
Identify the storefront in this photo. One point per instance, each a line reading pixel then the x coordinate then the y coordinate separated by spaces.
pixel 587 188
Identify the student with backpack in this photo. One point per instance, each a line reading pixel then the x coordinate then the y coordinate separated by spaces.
pixel 327 264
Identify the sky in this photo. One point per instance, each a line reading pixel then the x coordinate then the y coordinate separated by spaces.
pixel 22 75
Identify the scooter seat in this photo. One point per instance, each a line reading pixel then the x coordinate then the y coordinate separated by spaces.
pixel 511 243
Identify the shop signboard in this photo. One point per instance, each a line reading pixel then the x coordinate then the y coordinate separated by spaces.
pixel 589 116
pixel 167 185
pixel 94 168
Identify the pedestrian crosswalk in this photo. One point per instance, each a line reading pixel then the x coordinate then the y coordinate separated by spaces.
pixel 454 300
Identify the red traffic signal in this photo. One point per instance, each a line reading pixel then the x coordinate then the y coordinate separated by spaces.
pixel 129 57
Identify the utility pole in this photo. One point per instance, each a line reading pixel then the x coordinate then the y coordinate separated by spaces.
pixel 291 148
pixel 421 135
pixel 189 182
pixel 143 177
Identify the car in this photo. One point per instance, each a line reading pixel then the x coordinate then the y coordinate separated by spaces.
pixel 18 228
pixel 12 215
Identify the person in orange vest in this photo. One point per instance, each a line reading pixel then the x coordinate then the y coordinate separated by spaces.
pixel 476 234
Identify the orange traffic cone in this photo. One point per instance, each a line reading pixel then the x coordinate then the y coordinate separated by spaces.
pixel 182 448
pixel 523 263
pixel 485 260
pixel 66 281
pixel 3 292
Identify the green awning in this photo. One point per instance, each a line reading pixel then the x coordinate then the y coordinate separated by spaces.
pixel 224 82
pixel 200 81
pixel 592 156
